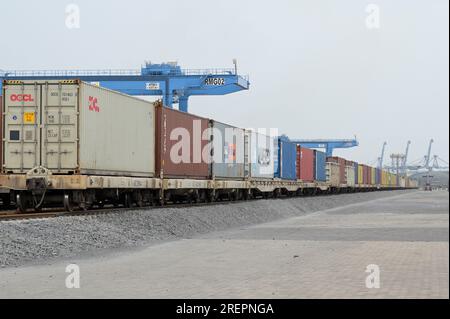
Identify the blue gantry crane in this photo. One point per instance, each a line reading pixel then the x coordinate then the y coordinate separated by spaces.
pixel 328 145
pixel 168 80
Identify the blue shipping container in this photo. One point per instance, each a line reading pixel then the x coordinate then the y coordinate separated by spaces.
pixel 320 163
pixel 285 160
pixel 378 176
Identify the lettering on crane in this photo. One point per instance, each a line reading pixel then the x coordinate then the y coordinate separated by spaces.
pixel 215 81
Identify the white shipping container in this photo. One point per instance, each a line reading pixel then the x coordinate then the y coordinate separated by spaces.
pixel 350 173
pixel 71 127
pixel 402 182
pixel 261 154
pixel 333 174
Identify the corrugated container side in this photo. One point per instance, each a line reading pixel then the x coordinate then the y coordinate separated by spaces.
pixel 229 151
pixel 384 178
pixel 174 161
pixel 261 155
pixel 305 164
pixel 360 174
pixel 1 132
pixel 342 163
pixel 395 181
pixel 373 176
pixel 402 182
pixel 366 175
pixel 320 166
pixel 350 171
pixel 117 132
pixel 356 168
pixel 333 173
pixel 285 160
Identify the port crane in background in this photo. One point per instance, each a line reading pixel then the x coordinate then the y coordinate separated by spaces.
pixel 381 158
pixel 168 80
pixel 327 145
pixel 439 163
pixel 421 164
pixel 405 159
pixel 426 164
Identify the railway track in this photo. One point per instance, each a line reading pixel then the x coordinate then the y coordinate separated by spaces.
pixel 59 212
pixel 16 216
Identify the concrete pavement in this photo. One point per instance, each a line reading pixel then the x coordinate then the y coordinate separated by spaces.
pixel 320 255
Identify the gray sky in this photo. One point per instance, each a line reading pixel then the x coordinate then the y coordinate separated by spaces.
pixel 316 70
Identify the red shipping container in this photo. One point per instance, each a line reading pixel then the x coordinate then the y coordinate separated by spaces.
pixel 1 132
pixel 342 162
pixel 305 164
pixel 167 121
pixel 366 175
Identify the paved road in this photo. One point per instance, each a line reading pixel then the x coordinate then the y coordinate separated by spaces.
pixel 320 255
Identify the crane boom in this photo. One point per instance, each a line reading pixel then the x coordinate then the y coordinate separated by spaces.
pixel 428 156
pixel 406 154
pixel 168 80
pixel 381 159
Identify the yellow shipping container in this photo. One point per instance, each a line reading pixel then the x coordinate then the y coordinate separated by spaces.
pixel 393 180
pixel 360 174
pixel 373 176
pixel 384 178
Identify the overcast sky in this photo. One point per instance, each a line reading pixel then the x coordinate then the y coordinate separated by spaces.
pixel 316 69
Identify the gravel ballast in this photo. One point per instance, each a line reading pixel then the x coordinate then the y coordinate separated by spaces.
pixel 47 240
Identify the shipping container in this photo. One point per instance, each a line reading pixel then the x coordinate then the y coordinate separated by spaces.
pixel 373 176
pixel 356 168
pixel 378 176
pixel 361 174
pixel 261 155
pixel 305 164
pixel 285 154
pixel 333 170
pixel 384 178
pixel 71 127
pixel 350 172
pixel 229 151
pixel 342 163
pixel 182 144
pixel 394 181
pixel 1 131
pixel 320 173
pixel 366 173
pixel 402 181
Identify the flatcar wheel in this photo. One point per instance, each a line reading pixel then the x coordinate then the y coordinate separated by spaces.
pixel 68 205
pixel 6 201
pixel 21 203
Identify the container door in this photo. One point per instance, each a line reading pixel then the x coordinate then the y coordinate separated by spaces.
pixel 21 129
pixel 59 127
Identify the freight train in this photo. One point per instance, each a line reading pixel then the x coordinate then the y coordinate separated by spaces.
pixel 78 145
